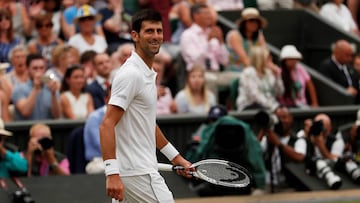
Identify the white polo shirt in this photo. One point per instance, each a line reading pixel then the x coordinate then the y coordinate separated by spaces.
pixel 134 90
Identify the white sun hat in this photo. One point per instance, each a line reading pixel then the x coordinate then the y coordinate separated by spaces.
pixel 290 52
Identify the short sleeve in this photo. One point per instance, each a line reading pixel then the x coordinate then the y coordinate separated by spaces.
pixel 124 88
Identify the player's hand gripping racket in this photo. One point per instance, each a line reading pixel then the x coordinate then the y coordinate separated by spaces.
pixel 215 171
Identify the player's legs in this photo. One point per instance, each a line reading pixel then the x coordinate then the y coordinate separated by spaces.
pixel 146 188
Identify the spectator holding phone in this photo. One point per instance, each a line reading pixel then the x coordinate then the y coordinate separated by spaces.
pixel 38 98
pixel 42 158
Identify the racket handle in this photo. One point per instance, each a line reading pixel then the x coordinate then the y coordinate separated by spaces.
pixel 168 167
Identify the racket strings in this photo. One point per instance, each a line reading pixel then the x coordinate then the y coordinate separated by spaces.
pixel 222 174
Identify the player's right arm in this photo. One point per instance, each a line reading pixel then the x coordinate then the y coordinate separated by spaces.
pixel 114 186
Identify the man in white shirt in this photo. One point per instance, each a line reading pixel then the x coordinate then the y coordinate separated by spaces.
pixel 129 134
pixel 339 14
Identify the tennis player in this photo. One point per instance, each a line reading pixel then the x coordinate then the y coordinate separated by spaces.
pixel 129 134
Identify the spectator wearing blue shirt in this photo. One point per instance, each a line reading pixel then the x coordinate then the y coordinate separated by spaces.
pixel 38 98
pixel 92 136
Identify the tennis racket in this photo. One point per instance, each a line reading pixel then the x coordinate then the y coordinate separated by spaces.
pixel 215 171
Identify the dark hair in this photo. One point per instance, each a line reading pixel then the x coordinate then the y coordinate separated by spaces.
pixel 88 55
pixel 10 33
pixel 242 30
pixel 69 71
pixel 144 15
pixel 196 8
pixel 287 80
pixel 41 18
pixel 32 57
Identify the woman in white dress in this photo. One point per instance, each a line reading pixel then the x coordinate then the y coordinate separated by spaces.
pixel 75 103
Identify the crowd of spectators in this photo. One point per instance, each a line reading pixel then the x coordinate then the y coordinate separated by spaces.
pixel 58 59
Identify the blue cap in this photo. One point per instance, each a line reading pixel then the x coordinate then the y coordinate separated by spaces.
pixel 217 112
pixel 86 11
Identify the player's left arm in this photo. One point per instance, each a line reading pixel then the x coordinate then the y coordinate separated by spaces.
pixel 170 152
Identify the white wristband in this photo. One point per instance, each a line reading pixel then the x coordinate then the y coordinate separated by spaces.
pixel 169 151
pixel 111 167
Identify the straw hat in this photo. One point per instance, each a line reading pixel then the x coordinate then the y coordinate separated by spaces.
pixel 2 129
pixel 86 11
pixel 252 13
pixel 290 52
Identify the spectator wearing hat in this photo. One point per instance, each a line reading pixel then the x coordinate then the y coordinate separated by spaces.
pixel 69 27
pixel 10 161
pixel 296 79
pixel 337 68
pixel 215 112
pixel 86 39
pixel 247 34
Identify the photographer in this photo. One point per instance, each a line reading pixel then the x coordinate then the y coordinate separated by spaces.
pixel 42 159
pixel 327 145
pixel 280 145
pixel 326 149
pixel 10 161
pixel 38 98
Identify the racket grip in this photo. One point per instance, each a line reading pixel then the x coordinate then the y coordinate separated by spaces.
pixel 169 167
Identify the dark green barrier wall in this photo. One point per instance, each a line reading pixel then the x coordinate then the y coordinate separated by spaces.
pixel 178 128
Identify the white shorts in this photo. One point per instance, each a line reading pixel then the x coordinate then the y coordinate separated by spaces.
pixel 146 188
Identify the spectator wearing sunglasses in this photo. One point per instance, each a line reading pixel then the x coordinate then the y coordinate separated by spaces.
pixel 45 41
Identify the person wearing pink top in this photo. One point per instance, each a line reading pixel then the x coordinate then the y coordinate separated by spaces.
pixel 165 102
pixel 202 44
pixel 297 81
pixel 42 159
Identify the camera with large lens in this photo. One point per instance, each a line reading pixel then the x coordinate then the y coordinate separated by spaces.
pixel 265 120
pixel 317 128
pixel 46 143
pixel 324 172
pixel 22 196
pixel 349 166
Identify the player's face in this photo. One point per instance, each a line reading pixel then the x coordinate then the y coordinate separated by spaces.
pixel 150 38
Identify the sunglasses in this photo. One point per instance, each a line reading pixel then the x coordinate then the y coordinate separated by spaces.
pixel 86 18
pixel 47 25
pixel 4 17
